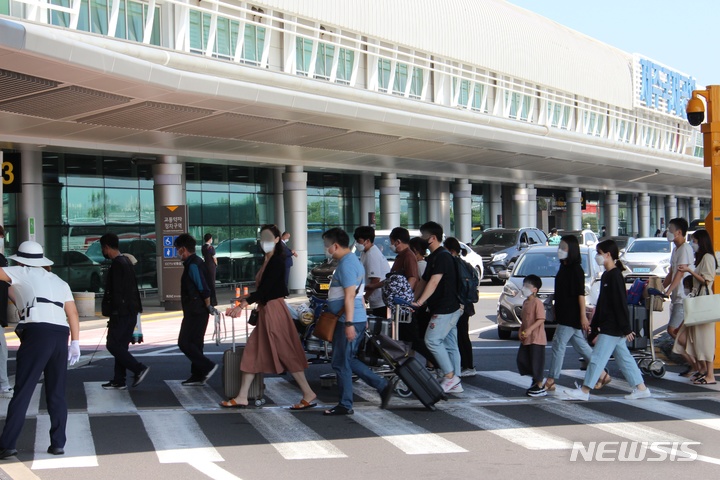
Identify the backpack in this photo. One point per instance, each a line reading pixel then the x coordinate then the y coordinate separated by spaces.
pixel 635 293
pixel 396 286
pixel 468 282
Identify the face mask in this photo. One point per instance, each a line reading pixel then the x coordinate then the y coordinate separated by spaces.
pixel 562 254
pixel 695 247
pixel 328 255
pixel 393 248
pixel 670 236
pixel 600 260
pixel 526 291
pixel 359 247
pixel 267 246
pixel 178 254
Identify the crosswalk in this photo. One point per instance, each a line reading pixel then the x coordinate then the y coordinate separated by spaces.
pixel 178 433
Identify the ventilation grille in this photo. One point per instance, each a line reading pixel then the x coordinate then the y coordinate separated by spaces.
pixel 295 134
pixel 147 116
pixel 13 84
pixel 226 125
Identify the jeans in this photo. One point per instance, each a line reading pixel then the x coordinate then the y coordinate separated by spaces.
pixel 605 346
pixel 441 340
pixel 563 336
pixel 345 364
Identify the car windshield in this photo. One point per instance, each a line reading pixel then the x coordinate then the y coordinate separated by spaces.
pixel 500 238
pixel 543 264
pixel 383 243
pixel 235 245
pixel 638 246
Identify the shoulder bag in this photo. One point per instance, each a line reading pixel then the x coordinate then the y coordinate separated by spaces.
pixel 701 309
pixel 327 322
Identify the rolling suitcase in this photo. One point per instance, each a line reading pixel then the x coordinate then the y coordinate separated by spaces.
pixel 231 375
pixel 420 382
pixel 638 316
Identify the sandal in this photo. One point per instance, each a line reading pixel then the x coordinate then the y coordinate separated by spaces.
pixel 232 403
pixel 686 372
pixel 698 375
pixel 338 410
pixel 703 381
pixel 304 404
pixel 603 381
pixel 549 386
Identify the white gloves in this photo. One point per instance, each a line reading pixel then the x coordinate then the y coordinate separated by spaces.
pixel 74 352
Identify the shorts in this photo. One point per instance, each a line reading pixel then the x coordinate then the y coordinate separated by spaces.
pixel 677 315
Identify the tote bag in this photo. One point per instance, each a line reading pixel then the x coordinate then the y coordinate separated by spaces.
pixel 701 309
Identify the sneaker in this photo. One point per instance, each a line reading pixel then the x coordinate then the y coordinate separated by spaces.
pixel 637 394
pixel 468 372
pixel 210 373
pixel 457 389
pixel 576 394
pixel 114 386
pixel 449 383
pixel 194 381
pixel 6 392
pixel 140 376
pixel 536 391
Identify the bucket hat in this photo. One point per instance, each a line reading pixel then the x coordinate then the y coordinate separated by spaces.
pixel 31 254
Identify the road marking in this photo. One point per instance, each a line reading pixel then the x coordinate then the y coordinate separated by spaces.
pixel 674 410
pixel 101 401
pixel 79 451
pixel 195 398
pixel 177 437
pixel 671 376
pixel 616 382
pixel 17 469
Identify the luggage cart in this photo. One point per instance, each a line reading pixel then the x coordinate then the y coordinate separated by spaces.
pixel 643 347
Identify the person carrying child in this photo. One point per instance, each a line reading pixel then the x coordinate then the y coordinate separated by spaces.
pixel 531 355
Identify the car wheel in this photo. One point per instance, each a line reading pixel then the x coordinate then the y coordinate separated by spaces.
pixel 504 334
pixel 480 274
pixel 496 281
pixel 95 283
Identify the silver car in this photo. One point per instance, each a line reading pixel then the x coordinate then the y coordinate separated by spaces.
pixel 543 262
pixel 646 257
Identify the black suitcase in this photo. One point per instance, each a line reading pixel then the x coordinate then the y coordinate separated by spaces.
pixel 420 382
pixel 638 316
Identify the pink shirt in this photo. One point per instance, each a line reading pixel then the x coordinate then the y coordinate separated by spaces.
pixel 533 310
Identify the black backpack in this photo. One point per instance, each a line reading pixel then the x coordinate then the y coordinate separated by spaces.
pixel 468 281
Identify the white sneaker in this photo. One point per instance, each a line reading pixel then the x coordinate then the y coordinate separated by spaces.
pixel 448 383
pixel 576 394
pixel 468 372
pixel 637 394
pixel 457 388
pixel 6 392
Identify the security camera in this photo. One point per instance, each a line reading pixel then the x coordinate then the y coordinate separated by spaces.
pixel 695 110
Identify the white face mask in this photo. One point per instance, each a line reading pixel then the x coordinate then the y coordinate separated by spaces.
pixel 393 248
pixel 599 259
pixel 267 246
pixel 359 247
pixel 526 291
pixel 670 236
pixel 562 254
pixel 695 247
pixel 327 253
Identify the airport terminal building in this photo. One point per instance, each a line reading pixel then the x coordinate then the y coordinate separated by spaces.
pixel 318 113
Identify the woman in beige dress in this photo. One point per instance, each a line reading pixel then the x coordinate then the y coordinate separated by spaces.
pixel 700 339
pixel 274 345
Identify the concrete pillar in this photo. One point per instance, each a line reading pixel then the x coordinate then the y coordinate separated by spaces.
pixel 389 201
pixel 438 203
pixel 611 212
pixel 644 215
pixel 494 203
pixel 660 213
pixel 670 208
pixel 694 208
pixel 278 202
pixel 520 206
pixel 30 202
pixel 574 211
pixel 367 197
pixel 633 230
pixel 532 205
pixel 295 196
pixel 462 209
pixel 168 189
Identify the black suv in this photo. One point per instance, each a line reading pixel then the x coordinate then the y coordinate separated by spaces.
pixel 499 247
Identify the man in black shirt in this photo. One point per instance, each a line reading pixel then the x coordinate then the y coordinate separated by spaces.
pixel 439 292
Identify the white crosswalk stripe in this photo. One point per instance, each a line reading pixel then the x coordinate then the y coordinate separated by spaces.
pixel 80 452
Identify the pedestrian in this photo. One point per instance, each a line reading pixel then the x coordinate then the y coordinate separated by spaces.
pixel 121 303
pixel 419 248
pixel 612 321
pixel 208 254
pixel 346 292
pixel 554 238
pixel 439 292
pixel 48 316
pixel 196 307
pixel 603 232
pixel 421 316
pixel 376 268
pixel 569 300
pixel 682 256
pixel 531 354
pixel 288 255
pixel 467 362
pixel 699 341
pixel 6 390
pixel 273 346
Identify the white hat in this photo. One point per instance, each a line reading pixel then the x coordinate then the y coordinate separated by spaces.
pixel 31 254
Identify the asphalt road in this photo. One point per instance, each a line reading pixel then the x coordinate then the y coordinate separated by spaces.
pixel 165 431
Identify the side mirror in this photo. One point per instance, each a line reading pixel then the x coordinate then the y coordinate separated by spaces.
pixel 523 245
pixel 504 275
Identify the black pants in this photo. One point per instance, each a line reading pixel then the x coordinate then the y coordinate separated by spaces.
pixel 381 312
pixel 120 330
pixel 531 361
pixel 414 333
pixel 43 349
pixel 191 343
pixel 464 343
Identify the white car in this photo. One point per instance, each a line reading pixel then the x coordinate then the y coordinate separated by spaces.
pixel 469 255
pixel 646 257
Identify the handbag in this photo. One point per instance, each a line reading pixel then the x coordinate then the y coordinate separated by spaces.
pixel 701 309
pixel 327 322
pixel 253 318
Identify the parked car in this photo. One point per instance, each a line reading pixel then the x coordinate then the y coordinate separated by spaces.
pixel 499 247
pixel 81 272
pixel 585 237
pixel 144 251
pixel 646 257
pixel 469 255
pixel 622 241
pixel 238 260
pixel 543 262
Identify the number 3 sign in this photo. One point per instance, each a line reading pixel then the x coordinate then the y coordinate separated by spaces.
pixel 10 171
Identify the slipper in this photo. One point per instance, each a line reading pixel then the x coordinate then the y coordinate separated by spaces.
pixel 602 382
pixel 702 381
pixel 686 372
pixel 698 375
pixel 338 410
pixel 232 403
pixel 304 404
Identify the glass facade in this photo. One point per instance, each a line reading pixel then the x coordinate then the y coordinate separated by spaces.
pixel 226 37
pixel 95 16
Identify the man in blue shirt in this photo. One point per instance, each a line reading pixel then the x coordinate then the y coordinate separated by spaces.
pixel 346 291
